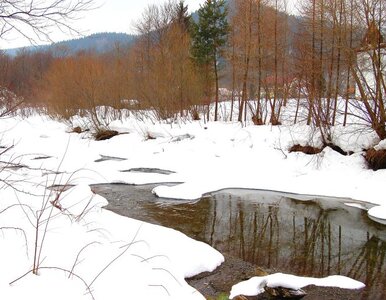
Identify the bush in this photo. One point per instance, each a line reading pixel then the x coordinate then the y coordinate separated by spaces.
pixel 9 102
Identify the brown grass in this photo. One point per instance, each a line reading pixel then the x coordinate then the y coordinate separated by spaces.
pixel 376 159
pixel 257 121
pixel 102 135
pixel 77 129
pixel 305 149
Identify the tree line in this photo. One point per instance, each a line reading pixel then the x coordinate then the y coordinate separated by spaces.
pixel 332 53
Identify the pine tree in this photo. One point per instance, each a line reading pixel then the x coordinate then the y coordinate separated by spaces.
pixel 209 37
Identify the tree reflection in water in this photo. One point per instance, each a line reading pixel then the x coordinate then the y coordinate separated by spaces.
pixel 301 238
pixel 314 238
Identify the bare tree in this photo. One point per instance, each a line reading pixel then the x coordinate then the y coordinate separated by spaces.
pixel 365 58
pixel 35 19
pixel 164 76
pixel 244 28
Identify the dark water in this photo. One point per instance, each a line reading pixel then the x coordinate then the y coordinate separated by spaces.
pixel 314 238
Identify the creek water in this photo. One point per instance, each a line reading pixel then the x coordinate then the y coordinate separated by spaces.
pixel 273 231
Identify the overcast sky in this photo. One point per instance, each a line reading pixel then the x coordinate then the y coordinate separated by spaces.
pixel 111 16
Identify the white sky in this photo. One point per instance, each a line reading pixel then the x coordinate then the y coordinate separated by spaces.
pixel 120 15
pixel 111 16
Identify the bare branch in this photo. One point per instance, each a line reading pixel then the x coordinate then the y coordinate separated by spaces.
pixel 77 258
pixel 89 291
pixel 22 231
pixel 35 20
pixel 127 247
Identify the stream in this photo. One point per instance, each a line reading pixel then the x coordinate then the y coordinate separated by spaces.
pixel 269 230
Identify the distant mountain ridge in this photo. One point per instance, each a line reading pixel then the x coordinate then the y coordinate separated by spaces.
pixel 106 41
pixel 97 42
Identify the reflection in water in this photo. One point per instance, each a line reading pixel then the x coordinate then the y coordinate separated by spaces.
pixel 272 231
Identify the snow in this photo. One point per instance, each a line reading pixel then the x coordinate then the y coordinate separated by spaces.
pixel 381 145
pixel 119 257
pixel 378 214
pixel 255 285
pixel 357 205
pixel 79 243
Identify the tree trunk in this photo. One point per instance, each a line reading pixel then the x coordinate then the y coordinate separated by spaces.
pixel 349 62
pixel 338 63
pixel 274 119
pixel 258 114
pixel 313 79
pixel 247 47
pixel 216 81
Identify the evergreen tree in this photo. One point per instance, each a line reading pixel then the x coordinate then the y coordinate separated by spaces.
pixel 209 37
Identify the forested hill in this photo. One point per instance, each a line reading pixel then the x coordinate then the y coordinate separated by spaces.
pixel 106 41
pixel 98 42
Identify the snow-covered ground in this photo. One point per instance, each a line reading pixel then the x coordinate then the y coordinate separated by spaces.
pixel 86 252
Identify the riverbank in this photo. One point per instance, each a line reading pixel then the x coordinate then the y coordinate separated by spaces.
pixel 39 152
pixel 218 283
pixel 264 232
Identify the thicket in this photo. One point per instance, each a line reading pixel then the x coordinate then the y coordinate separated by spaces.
pixel 331 60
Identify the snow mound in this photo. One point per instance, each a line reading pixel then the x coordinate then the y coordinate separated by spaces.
pixel 90 252
pixel 255 285
pixel 378 214
pixel 381 145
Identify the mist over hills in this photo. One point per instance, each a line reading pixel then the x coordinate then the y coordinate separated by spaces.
pixel 97 42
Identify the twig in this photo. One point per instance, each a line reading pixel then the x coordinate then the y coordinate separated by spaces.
pixel 160 285
pixel 18 229
pixel 167 271
pixel 77 257
pixel 88 286
pixel 117 257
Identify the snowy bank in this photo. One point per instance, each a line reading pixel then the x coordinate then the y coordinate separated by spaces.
pixel 81 244
pixel 214 157
pixel 91 253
